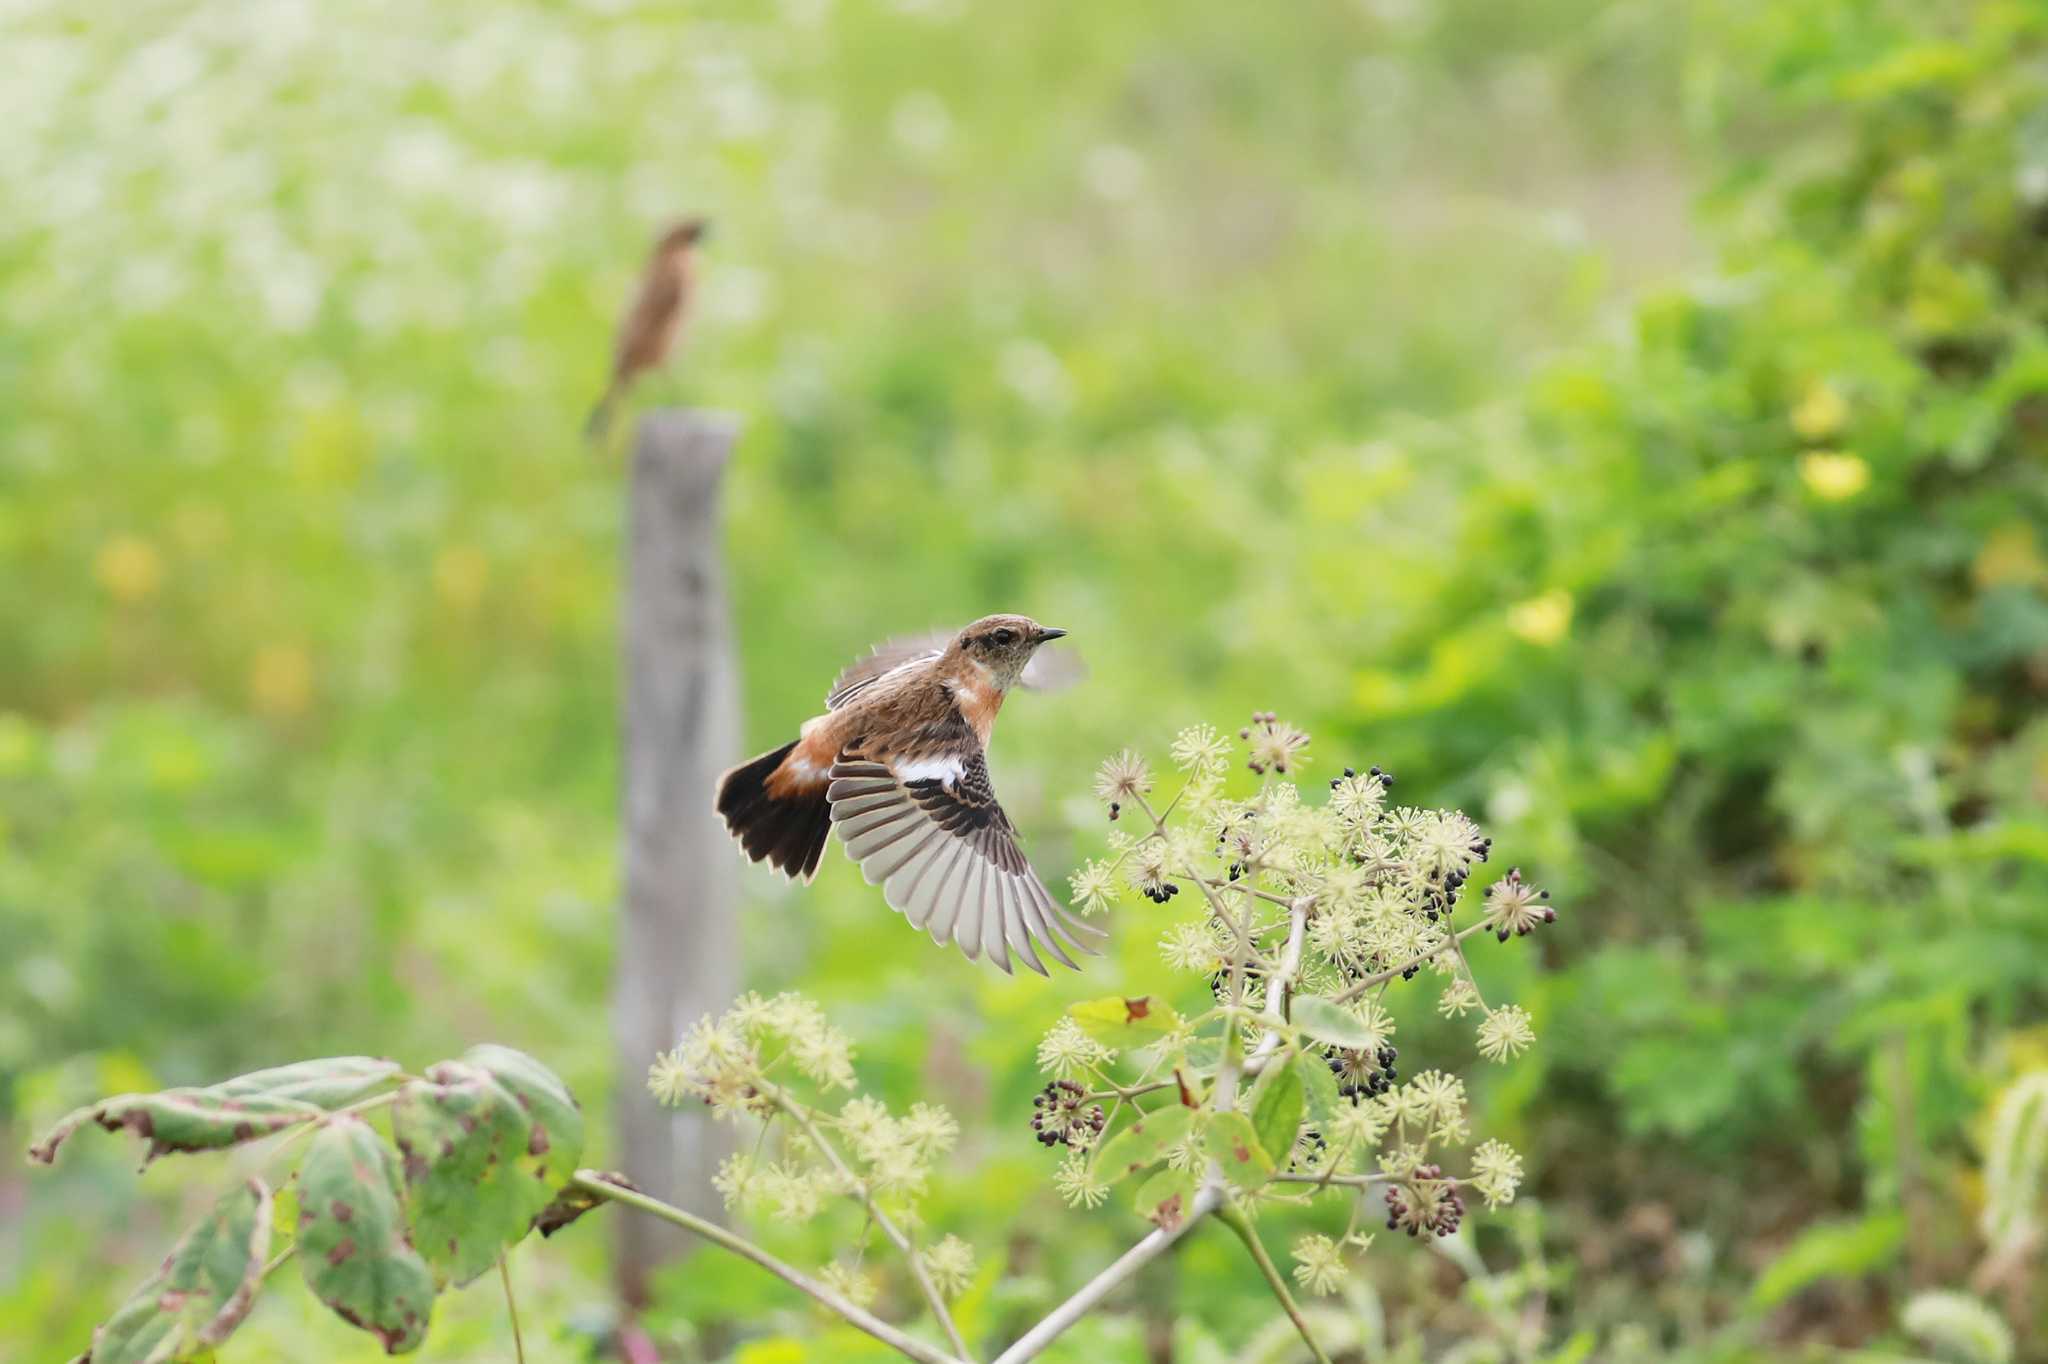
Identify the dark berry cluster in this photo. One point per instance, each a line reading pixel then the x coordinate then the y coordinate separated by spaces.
pixel 1063 1117
pixel 1162 892
pixel 1425 1204
pixel 1310 1147
pixel 1362 1073
pixel 1219 982
pixel 1385 779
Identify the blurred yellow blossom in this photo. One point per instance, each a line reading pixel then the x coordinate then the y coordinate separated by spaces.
pixel 1821 414
pixel 1542 620
pixel 281 681
pixel 130 569
pixel 199 526
pixel 1832 475
pixel 461 573
pixel 2010 557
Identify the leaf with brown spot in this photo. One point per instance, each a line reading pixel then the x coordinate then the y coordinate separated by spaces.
pixel 177 1120
pixel 1125 1020
pixel 462 1134
pixel 353 1245
pixel 213 1117
pixel 555 1138
pixel 1234 1145
pixel 1145 1142
pixel 1164 1199
pixel 201 1293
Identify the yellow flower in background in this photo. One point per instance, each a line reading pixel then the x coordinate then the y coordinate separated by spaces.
pixel 1544 620
pixel 461 573
pixel 2009 557
pixel 130 569
pixel 1821 414
pixel 1833 476
pixel 199 527
pixel 281 681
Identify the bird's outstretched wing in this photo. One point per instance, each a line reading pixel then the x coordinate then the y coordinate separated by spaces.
pixel 1055 667
pixel 931 834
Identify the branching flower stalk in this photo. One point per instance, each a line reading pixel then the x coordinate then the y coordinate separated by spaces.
pixel 1310 915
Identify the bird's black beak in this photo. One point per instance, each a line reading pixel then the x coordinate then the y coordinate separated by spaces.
pixel 1046 632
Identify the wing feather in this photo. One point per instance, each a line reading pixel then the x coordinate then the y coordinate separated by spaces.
pixel 932 834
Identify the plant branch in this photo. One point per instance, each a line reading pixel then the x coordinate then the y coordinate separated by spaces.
pixel 1280 989
pixel 1235 1220
pixel 1034 1341
pixel 1364 983
pixel 512 1310
pixel 590 1181
pixel 801 1116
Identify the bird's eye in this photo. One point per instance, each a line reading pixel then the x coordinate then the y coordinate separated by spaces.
pixel 1004 637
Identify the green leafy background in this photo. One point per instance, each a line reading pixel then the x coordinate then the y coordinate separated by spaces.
pixel 1625 419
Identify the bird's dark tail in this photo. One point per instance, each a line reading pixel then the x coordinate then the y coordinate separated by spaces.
pixel 786 831
pixel 599 423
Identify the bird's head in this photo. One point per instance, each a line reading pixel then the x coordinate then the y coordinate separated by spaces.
pixel 1003 645
pixel 687 233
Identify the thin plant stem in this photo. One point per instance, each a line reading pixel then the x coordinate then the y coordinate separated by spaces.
pixel 512 1310
pixel 1364 983
pixel 1033 1342
pixel 1235 1220
pixel 802 1118
pixel 590 1181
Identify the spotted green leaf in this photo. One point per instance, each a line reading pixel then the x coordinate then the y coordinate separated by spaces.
pixel 1164 1199
pixel 213 1117
pixel 327 1083
pixel 1145 1142
pixel 1125 1020
pixel 181 1120
pixel 554 1141
pixel 1235 1146
pixel 353 1246
pixel 460 1136
pixel 202 1291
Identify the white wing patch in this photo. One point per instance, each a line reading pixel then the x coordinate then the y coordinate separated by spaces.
pixel 933 837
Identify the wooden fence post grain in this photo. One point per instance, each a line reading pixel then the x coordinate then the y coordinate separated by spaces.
pixel 678 939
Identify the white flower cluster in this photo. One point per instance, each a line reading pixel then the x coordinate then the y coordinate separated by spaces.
pixel 1303 919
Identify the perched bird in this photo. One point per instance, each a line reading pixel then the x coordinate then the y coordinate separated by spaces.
pixel 648 331
pixel 897 763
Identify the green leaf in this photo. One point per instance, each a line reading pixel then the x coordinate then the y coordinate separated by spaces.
pixel 1125 1021
pixel 1235 1146
pixel 1332 1023
pixel 1164 1199
pixel 202 1292
pixel 459 1133
pixel 554 1141
pixel 1829 1250
pixel 352 1236
pixel 213 1117
pixel 1276 1107
pixel 1318 1086
pixel 181 1120
pixel 328 1083
pixel 1145 1142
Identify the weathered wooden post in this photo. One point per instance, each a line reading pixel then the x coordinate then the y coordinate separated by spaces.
pixel 678 942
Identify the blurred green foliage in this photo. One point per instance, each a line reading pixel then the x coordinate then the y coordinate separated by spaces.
pixel 1206 336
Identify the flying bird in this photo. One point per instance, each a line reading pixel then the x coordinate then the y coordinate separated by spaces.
pixel 898 765
pixel 648 331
